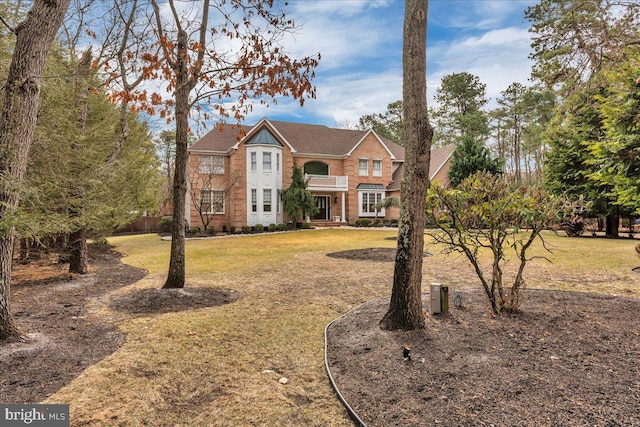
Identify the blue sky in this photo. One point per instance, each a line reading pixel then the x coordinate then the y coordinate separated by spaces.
pixel 361 45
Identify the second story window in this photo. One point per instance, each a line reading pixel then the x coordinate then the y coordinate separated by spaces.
pixel 277 162
pixel 254 161
pixel 363 167
pixel 377 168
pixel 266 162
pixel 212 165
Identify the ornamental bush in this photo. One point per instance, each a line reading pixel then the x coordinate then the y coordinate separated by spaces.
pixel 484 212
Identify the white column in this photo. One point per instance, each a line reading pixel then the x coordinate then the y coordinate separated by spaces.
pixel 343 204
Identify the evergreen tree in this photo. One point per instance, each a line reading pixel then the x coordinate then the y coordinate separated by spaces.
pixel 297 199
pixel 388 125
pixel 80 181
pixel 615 159
pixel 469 157
pixel 460 97
pixel 567 169
pixel 18 113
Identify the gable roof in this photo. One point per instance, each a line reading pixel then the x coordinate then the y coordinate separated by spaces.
pixel 439 158
pixel 304 139
pixel 263 137
pixel 371 132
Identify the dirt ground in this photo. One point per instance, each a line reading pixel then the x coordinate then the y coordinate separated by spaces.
pixel 57 311
pixel 567 359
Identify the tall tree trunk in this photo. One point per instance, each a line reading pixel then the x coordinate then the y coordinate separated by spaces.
pixel 176 274
pixel 612 224
pixel 405 308
pixel 18 115
pixel 516 151
pixel 79 258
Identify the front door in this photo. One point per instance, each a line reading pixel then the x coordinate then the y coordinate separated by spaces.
pixel 324 208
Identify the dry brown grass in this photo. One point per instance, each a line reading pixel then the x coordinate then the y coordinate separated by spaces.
pixel 221 366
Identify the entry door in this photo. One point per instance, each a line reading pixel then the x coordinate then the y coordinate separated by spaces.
pixel 323 204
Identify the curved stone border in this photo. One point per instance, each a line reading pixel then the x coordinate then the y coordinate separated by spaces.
pixel 352 413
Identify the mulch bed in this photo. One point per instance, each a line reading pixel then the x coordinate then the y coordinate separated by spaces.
pixel 65 335
pixel 567 359
pixel 156 301
pixel 369 254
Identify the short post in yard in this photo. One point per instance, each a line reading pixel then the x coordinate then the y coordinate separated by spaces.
pixel 439 299
pixel 444 299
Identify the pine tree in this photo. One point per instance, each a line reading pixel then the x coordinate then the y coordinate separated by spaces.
pixel 469 157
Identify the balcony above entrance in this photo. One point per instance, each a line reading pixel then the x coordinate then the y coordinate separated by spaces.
pixel 327 182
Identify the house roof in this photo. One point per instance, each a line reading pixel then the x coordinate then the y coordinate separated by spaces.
pixel 439 158
pixel 305 139
pixel 371 187
pixel 221 139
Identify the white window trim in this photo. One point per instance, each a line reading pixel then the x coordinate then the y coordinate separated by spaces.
pixel 264 200
pixel 377 172
pixel 267 155
pixel 253 161
pixel 211 191
pixel 361 212
pixel 364 172
pixel 253 192
pixel 211 165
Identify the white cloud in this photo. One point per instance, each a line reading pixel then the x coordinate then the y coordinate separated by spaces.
pixel 498 57
pixel 477 15
pixel 343 8
pixel 511 36
pixel 343 41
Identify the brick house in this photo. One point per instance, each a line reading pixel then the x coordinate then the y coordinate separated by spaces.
pixel 237 173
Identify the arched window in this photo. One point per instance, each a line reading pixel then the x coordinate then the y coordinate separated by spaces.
pixel 316 168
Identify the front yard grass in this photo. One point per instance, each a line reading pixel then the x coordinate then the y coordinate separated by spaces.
pixel 221 366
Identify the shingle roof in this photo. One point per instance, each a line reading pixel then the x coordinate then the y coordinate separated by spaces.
pixel 439 157
pixel 221 139
pixel 304 138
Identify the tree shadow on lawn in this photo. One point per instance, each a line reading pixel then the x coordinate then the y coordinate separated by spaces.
pixel 568 358
pixel 64 336
pixel 370 254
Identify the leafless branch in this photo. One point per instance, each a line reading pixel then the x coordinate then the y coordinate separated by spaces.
pixel 6 24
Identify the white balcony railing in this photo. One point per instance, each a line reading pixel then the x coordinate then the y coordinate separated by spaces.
pixel 327 182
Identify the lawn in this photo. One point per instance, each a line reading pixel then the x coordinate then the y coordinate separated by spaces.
pixel 222 365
